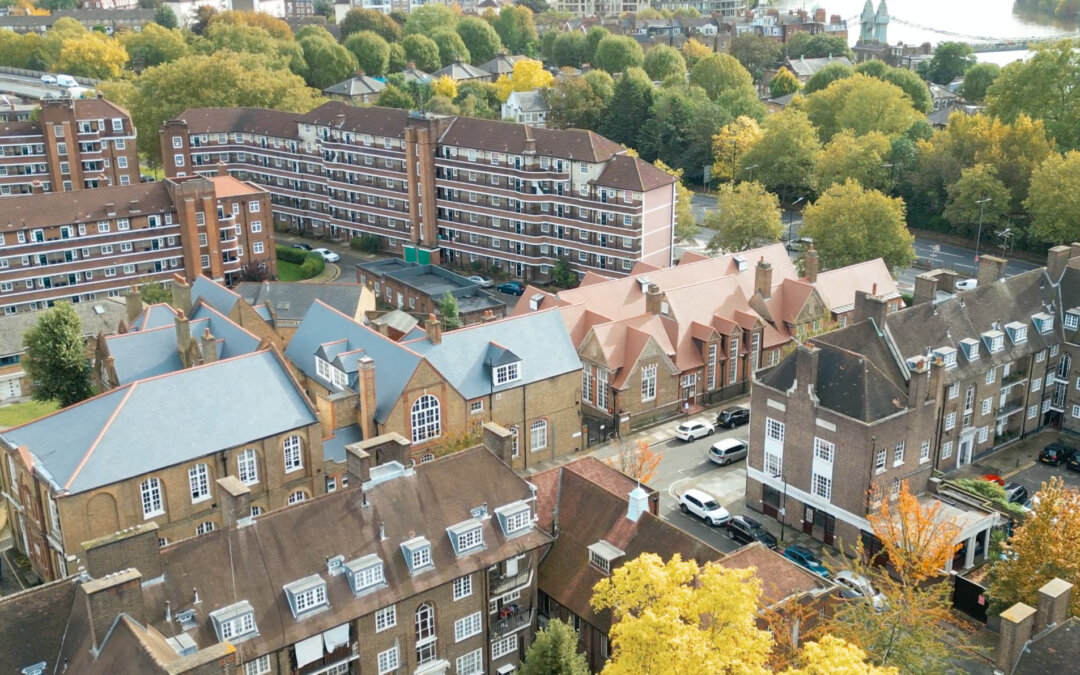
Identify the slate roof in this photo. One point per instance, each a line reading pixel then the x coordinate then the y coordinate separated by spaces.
pixel 466 356
pixel 502 64
pixel 461 71
pixel 33 624
pixel 14 326
pixel 292 300
pixel 804 68
pixel 89 444
pixel 529 101
pixel 1055 652
pixel 334 447
pixel 260 121
pixel 335 334
pixel 357 85
pixel 217 296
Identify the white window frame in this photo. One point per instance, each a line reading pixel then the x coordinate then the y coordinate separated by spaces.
pixel 385 618
pixel 468 626
pixel 153 497
pixel 388 661
pixel 821 486
pixel 259 665
pixel 463 587
pixel 648 383
pixel 538 435
pixel 292 453
pixel 199 482
pixel 247 466
pixel 426 418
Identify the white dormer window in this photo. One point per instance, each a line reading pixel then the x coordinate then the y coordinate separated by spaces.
pixel 511 372
pixel 995 341
pixel 515 517
pixel 235 622
pixel 322 368
pixel 947 356
pixel 970 346
pixel 466 536
pixel 602 554
pixel 417 552
pixel 1044 322
pixel 1017 332
pixel 306 595
pixel 365 573
pixel 1072 319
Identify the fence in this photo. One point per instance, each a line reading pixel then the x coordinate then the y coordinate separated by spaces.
pixel 36 74
pixel 970 598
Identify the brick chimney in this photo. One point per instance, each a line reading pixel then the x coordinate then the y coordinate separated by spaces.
pixel 653 304
pixel 500 442
pixel 806 367
pixel 1056 260
pixel 763 278
pixel 919 382
pixel 926 285
pixel 1017 623
pixel 991 268
pixel 1054 599
pixel 871 306
pixel 234 500
pixel 209 347
pixel 488 316
pixel 357 464
pixel 181 293
pixel 109 597
pixel 811 264
pixel 183 335
pixel 365 376
pixel 1074 251
pixel 136 546
pixel 433 329
pixel 36 187
pixel 133 303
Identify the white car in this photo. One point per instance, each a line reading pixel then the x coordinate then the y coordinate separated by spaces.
pixel 857 586
pixel 967 284
pixel 327 254
pixel 48 79
pixel 702 505
pixel 689 431
pixel 485 282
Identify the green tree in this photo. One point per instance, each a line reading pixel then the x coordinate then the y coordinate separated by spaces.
pixel 594 36
pixel 448 307
pixel 479 38
pixel 826 76
pixel 278 53
pixel 616 53
pixel 153 45
pixel 577 103
pixel 862 104
pixel 783 83
pixel 324 8
pixel 478 99
pixel 784 158
pixel 422 50
pixel 977 183
pixel 719 73
pixel 912 85
pixel 819 46
pixel 570 49
pixel 662 62
pixel 563 275
pixel 92 55
pixel 756 53
pixel 693 51
pixel 516 29
pixel 154 292
pixel 1053 199
pixel 746 215
pixel 864 158
pixel 398 59
pixel 327 62
pixel 55 359
pixel 951 60
pixel 201 17
pixel 393 97
pixel 850 224
pixel 427 19
pixel 977 81
pixel 357 19
pixel 547 44
pixel 554 652
pixel 535 6
pixel 629 107
pixel 165 17
pixel 679 129
pixel 371 51
pixel 873 68
pixel 451 47
pixel 1045 87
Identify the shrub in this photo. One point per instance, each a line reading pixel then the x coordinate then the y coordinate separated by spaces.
pixel 368 243
pixel 312 266
pixel 290 254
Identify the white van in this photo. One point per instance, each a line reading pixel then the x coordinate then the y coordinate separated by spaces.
pixel 66 81
pixel 728 450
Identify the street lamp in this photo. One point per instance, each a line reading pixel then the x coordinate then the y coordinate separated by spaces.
pixel 750 171
pixel 978 237
pixel 793 205
pixel 783 504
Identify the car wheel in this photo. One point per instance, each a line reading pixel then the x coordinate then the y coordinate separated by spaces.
pixel 730 533
pixel 682 507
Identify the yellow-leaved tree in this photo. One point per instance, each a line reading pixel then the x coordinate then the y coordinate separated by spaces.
pixel 528 74
pixel 445 86
pixel 92 55
pixel 675 617
pixel 731 143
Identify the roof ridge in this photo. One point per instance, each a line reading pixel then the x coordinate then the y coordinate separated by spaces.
pixel 105 428
pixel 399 345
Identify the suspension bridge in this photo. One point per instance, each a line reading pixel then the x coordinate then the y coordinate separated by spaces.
pixel 980 43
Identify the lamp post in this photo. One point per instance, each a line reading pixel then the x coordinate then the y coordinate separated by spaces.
pixel 793 205
pixel 783 504
pixel 978 237
pixel 750 172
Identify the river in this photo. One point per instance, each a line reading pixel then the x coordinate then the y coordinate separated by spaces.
pixel 961 20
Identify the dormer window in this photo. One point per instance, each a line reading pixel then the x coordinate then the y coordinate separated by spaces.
pixel 1044 323
pixel 995 341
pixel 365 573
pixel 947 356
pixel 1072 318
pixel 514 518
pixel 970 346
pixel 306 595
pixel 510 372
pixel 602 554
pixel 467 536
pixel 1017 332
pixel 417 552
pixel 235 622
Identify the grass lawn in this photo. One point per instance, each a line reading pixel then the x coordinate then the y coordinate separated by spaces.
pixel 287 271
pixel 11 415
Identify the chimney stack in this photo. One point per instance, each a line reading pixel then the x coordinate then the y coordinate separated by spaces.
pixel 870 306
pixel 357 464
pixel 811 265
pixel 209 347
pixel 181 293
pixel 133 303
pixel 1074 251
pixel 991 268
pixel 183 334
pixel 925 288
pixel 763 278
pixel 234 500
pixel 109 597
pixel 500 441
pixel 1017 623
pixel 653 304
pixel 433 329
pixel 1056 260
pixel 137 546
pixel 365 377
pixel 806 368
pixel 919 382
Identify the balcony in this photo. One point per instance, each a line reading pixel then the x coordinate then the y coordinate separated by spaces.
pixel 511 618
pixel 500 584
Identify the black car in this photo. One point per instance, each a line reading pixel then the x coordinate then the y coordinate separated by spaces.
pixel 1056 453
pixel 302 246
pixel 745 529
pixel 1073 463
pixel 729 418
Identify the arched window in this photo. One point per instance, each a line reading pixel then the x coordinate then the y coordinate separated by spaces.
pixel 152 503
pixel 205 528
pixel 538 435
pixel 514 435
pixel 424 618
pixel 426 419
pixel 247 466
pixel 297 497
pixel 294 458
pixel 427 457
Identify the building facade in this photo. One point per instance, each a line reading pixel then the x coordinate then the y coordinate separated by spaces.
pixel 420 289
pixel 474 193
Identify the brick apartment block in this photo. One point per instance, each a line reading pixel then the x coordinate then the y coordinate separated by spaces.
pixel 463 191
pixel 75 246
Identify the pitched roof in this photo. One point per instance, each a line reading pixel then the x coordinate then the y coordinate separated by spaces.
pixel 503 63
pixel 99 316
pixel 214 294
pixel 261 121
pixel 83 206
pixel 89 444
pixel 357 85
pixel 33 624
pixel 372 120
pixel 529 101
pixel 511 137
pixel 803 67
pixel 460 70
pixel 838 291
pixel 631 173
pixel 291 300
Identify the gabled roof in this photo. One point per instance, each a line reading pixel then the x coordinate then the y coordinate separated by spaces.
pixel 357 85
pixel 372 120
pixel 100 316
pixel 503 63
pixel 529 101
pixel 177 417
pixel 623 172
pixel 291 300
pixel 804 67
pixel 459 70
pixel 214 294
pixel 33 624
pixel 838 291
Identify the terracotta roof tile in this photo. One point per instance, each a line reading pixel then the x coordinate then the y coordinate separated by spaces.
pixel 373 120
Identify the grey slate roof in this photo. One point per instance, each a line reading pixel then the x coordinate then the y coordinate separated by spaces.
pixel 334 447
pixel 292 300
pixel 154 316
pixel 807 67
pixel 215 295
pixel 531 101
pixel 463 356
pixel 461 71
pixel 502 64
pixel 33 624
pixel 336 334
pixel 357 85
pixel 150 424
pixel 14 326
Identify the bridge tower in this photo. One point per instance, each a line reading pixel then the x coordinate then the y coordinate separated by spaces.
pixel 881 24
pixel 866 23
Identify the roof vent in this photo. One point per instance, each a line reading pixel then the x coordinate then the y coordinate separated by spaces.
pixel 644 283
pixel 535 300
pixel 740 262
pixel 183 644
pixel 335 565
pixel 186 619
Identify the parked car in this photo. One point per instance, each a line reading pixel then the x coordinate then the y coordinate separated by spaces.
pixel 702 505
pixel 966 284
pixel 728 450
pixel 511 287
pixel 1073 463
pixel 745 529
pixel 806 558
pixel 858 587
pixel 485 282
pixel 1056 453
pixel 689 431
pixel 1016 493
pixel 800 244
pixel 303 246
pixel 327 254
pixel 994 478
pixel 48 79
pixel 736 416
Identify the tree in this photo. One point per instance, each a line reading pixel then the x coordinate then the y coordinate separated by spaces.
pixel 785 156
pixel 679 129
pixel 783 83
pixel 451 48
pixel 731 143
pixel 570 49
pixel 479 38
pixel 594 36
pixel 746 215
pixel 912 85
pixel 718 73
pixel 516 29
pixel 1045 87
pixel 802 44
pixel 448 307
pixel 951 60
pixel 153 45
pixel 445 86
pixel 756 53
pixel 201 17
pixel 528 74
pixel 662 62
pixel 685 223
pixel 535 6
pixel 422 50
pixel 826 76
pixel 864 158
pixel 637 461
pixel 398 59
pixel 616 53
pixel 563 274
pixel 675 617
pixel 278 53
pixel 693 51
pixel 165 17
pixel 851 224
pixel 324 8
pixel 154 292
pixel 272 25
pixel 1054 197
pixel 554 652
pixel 55 359
pixel 356 20
pixel 576 103
pixel 1041 548
pixel 371 51
pixel 963 211
pixel 977 81
pixel 327 62
pixel 862 104
pixel 393 97
pixel 93 55
pixel 426 19
pixel 629 107
pixel 478 99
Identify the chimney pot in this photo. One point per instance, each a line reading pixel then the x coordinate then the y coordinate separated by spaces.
pixel 433 329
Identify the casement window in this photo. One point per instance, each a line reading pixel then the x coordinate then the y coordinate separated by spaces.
pixel 824 450
pixel 898 454
pixel 538 435
pixel 152 503
pixel 426 418
pixel 821 486
pixel 462 587
pixel 199 480
pixel 294 459
pixel 385 618
pixel 648 383
pixel 388 661
pixel 247 468
pixel 774 430
pixel 467 627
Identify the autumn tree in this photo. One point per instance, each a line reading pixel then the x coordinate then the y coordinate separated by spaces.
pixel 445 86
pixel 616 53
pixel 662 62
pixel 528 74
pixel 153 45
pixel 864 158
pixel 862 104
pixel 579 102
pixel 977 184
pixel 93 55
pixel 851 224
pixel 1053 199
pixel 637 461
pixel 783 83
pixel 1045 87
pixel 55 359
pixel 693 51
pixel 746 215
pixel 357 19
pixel 783 158
pixel 554 652
pixel 731 143
pixel 718 73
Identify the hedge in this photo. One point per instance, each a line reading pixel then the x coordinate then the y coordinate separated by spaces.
pixel 290 254
pixel 311 264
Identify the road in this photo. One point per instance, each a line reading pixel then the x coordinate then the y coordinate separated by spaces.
pixel 28 87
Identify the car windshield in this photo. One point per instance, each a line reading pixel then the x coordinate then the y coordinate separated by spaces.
pixel 759 531
pixel 711 505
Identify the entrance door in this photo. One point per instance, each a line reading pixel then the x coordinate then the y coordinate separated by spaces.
pixel 400 301
pixel 963 455
pixel 11 388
